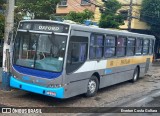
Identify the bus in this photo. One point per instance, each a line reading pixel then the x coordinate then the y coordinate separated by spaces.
pixel 63 60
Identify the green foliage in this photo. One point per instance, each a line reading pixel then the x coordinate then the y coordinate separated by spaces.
pixel 109 18
pixel 2 22
pixel 150 13
pixel 2 2
pixel 80 17
pixel 42 9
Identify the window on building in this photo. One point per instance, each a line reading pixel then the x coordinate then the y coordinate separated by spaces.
pixel 121 46
pixel 96 46
pixel 109 49
pixel 130 46
pixel 145 46
pixel 85 2
pixel 124 14
pixel 63 3
pixel 139 46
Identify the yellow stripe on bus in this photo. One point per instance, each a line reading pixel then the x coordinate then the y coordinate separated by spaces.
pixel 127 61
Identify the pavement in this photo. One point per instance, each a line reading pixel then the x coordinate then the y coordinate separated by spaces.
pixel 144 93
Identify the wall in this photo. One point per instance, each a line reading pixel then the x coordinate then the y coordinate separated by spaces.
pixel 136 23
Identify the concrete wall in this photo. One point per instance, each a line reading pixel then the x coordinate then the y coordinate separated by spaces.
pixel 97 14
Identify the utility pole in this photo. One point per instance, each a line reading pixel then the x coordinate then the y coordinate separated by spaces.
pixel 9 24
pixel 130 15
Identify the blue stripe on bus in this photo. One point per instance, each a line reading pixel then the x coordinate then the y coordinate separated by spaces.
pixel 59 92
pixel 37 73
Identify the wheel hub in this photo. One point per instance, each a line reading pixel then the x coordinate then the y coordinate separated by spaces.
pixel 92 86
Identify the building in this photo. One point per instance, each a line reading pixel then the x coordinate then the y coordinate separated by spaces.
pixel 65 6
pixel 136 23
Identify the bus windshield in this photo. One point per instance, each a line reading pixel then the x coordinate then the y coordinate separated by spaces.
pixel 40 51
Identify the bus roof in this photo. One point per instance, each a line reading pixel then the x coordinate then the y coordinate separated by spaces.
pixel 94 29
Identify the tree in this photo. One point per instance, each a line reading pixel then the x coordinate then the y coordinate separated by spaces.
pixel 2 20
pixel 150 13
pixel 80 17
pixel 109 17
pixel 42 9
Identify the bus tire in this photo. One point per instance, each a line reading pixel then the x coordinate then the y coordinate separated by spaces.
pixel 135 75
pixel 92 87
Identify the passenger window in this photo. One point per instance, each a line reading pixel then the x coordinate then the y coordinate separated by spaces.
pixel 151 47
pixel 77 53
pixel 121 45
pixel 130 46
pixel 109 50
pixel 96 46
pixel 139 46
pixel 146 47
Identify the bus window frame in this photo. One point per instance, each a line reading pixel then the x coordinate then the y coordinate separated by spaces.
pixel 125 45
pixel 95 46
pixel 139 38
pixel 131 37
pixel 151 40
pixel 144 46
pixel 115 37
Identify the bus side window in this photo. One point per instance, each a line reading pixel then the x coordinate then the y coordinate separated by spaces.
pixel 109 50
pixel 151 47
pixel 77 53
pixel 145 47
pixel 121 46
pixel 96 46
pixel 139 46
pixel 130 46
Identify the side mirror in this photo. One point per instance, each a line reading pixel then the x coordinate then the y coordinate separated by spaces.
pixel 10 35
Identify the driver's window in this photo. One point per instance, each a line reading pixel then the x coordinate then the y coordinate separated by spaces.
pixel 77 53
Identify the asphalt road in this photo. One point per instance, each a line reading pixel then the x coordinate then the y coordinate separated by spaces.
pixel 143 93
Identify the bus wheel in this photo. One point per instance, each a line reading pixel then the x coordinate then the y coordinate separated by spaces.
pixel 135 75
pixel 92 86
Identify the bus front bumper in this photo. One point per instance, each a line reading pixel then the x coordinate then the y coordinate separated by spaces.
pixel 53 92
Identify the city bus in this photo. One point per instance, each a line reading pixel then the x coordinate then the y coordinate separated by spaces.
pixel 63 60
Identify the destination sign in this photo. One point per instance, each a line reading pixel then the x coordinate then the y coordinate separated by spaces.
pixel 44 26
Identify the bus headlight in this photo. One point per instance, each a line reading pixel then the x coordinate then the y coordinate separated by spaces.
pixel 15 77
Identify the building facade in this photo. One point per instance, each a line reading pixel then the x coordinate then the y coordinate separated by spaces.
pixel 136 23
pixel 65 6
pixel 138 26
